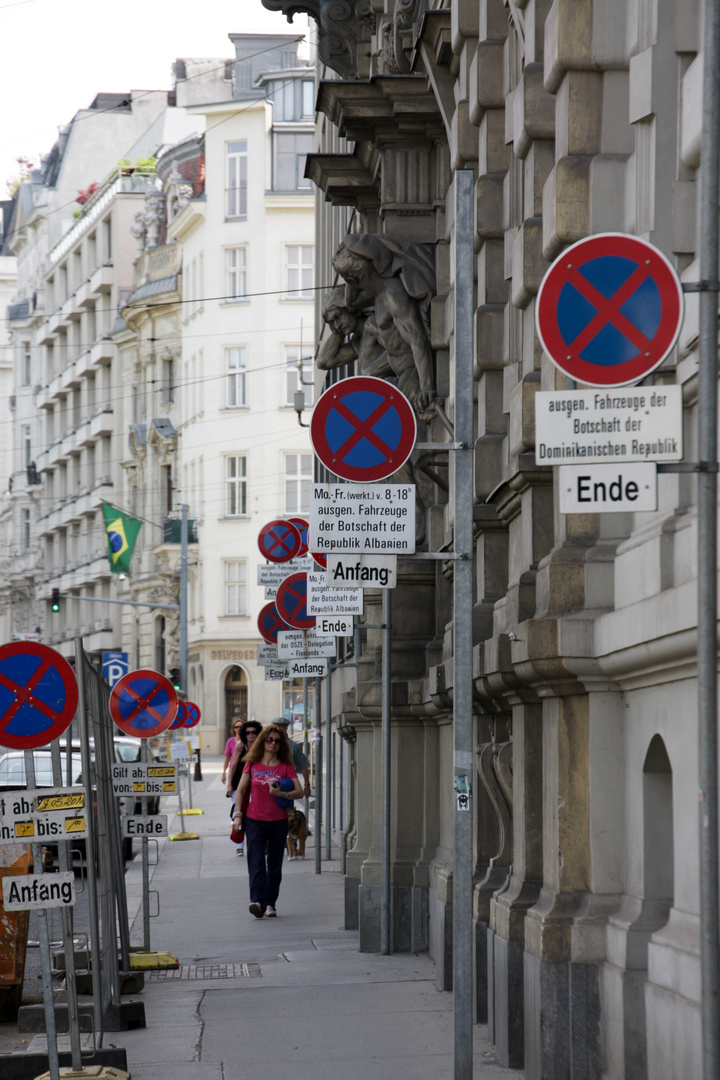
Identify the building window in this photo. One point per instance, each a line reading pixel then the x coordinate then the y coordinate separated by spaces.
pixel 26 445
pixel 299 271
pixel 298 475
pixel 168 485
pixel 235 486
pixel 291 151
pixel 168 380
pixel 236 264
pixel 25 530
pixel 293 708
pixel 26 373
pixel 292 375
pixel 235 588
pixel 236 377
pixel 308 98
pixel 236 189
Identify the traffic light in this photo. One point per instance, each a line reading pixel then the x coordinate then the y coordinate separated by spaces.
pixel 55 604
pixel 174 677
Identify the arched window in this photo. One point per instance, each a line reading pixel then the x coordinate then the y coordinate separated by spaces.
pixel 658 846
pixel 236 697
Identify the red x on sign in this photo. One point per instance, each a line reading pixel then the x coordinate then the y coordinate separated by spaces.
pixel 38 695
pixel 143 703
pixel 279 541
pixel 609 309
pixel 291 602
pixel 363 429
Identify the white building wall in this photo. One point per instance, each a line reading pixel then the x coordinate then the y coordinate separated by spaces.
pixel 262 431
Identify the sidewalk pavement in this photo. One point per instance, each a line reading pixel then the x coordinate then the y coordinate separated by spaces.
pixel 254 996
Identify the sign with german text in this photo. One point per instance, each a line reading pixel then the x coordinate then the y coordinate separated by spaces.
pixel 322 600
pixel 308 669
pixel 371 519
pixel 301 645
pixel 607 489
pixel 42 815
pixel 603 427
pixel 149 825
pixel 27 892
pixel 367 571
pixel 340 625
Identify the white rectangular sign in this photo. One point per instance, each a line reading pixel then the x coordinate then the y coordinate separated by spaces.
pixel 303 644
pixel 23 892
pixel 324 601
pixel 139 778
pixel 306 669
pixel 367 571
pixel 151 825
pixel 588 427
pixel 267 654
pixel 272 575
pixel 43 814
pixel 276 673
pixel 596 489
pixel 340 625
pixel 377 518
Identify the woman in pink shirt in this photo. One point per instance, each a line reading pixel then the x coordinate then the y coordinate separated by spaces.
pixel 268 761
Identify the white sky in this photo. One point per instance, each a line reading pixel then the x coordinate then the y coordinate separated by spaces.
pixel 58 54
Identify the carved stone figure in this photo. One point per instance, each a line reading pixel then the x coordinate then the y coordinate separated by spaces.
pixel 139 231
pixel 355 338
pixel 396 281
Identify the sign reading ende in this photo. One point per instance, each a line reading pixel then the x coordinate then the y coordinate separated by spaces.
pixel 587 427
pixel 376 518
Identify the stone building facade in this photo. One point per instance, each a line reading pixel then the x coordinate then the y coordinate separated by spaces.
pixel 576 117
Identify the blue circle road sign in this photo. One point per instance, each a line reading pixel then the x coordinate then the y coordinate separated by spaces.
pixel 302 527
pixel 291 602
pixel 38 695
pixel 192 713
pixel 363 429
pixel 279 541
pixel 269 622
pixel 609 310
pixel 180 716
pixel 143 703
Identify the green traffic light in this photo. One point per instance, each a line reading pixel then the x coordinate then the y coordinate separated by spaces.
pixel 55 605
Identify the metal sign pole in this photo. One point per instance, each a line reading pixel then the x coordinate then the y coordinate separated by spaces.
pixel 385 889
pixel 67 917
pixel 318 778
pixel 44 938
pixel 306 745
pixel 707 547
pixel 462 491
pixel 145 862
pixel 328 767
pixel 90 848
pixel 184 600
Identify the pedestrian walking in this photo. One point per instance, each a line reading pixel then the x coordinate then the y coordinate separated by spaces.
pixel 268 764
pixel 246 736
pixel 230 747
pixel 300 761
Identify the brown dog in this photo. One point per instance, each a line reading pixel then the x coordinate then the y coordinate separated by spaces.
pixel 297 834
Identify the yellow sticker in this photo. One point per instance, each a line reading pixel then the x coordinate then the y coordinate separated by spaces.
pixel 168 785
pixel 61 802
pixel 74 824
pixel 24 828
pixel 155 771
pixel 138 785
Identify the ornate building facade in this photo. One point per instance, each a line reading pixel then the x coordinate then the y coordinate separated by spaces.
pixel 576 117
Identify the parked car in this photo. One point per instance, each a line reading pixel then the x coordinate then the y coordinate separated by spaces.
pixel 127 749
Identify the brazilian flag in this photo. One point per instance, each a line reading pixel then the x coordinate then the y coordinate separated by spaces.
pixel 121 531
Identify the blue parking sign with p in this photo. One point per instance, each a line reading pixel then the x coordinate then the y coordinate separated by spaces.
pixel 115 665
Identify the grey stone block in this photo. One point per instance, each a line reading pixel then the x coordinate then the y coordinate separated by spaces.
pixel 352 902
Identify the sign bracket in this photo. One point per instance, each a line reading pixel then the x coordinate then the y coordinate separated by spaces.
pixel 701 286
pixel 441 446
pixel 687 467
